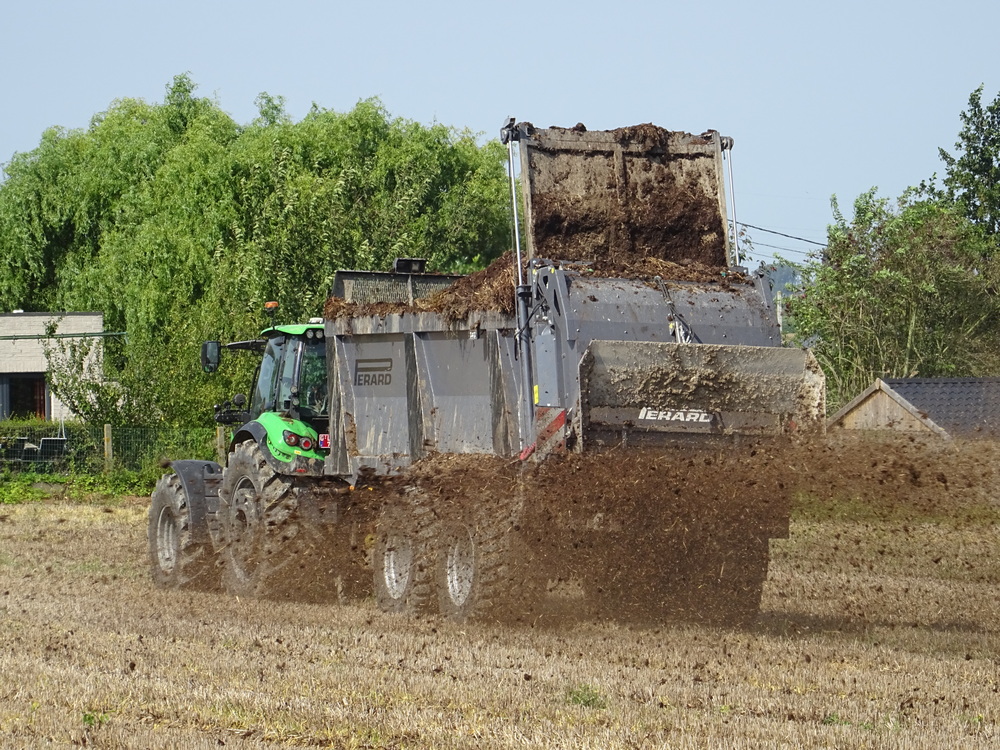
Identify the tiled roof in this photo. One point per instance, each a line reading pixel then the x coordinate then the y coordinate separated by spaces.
pixel 963 407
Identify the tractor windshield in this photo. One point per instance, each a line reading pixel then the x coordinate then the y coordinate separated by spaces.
pixel 292 371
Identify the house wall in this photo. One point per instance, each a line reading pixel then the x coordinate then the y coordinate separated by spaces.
pixel 22 356
pixel 880 412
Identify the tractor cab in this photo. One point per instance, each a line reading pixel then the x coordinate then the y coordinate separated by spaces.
pixel 292 377
pixel 287 412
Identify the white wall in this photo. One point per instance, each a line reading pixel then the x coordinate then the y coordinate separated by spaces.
pixel 21 349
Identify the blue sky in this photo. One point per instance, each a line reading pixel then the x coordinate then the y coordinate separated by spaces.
pixel 821 98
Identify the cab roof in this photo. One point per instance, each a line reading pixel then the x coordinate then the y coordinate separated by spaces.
pixel 295 329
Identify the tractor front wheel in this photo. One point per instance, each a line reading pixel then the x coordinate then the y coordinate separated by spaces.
pixel 176 559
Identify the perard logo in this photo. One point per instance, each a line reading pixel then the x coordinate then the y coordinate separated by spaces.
pixel 373 372
pixel 674 415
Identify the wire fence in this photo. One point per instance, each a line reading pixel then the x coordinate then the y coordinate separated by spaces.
pixel 92 449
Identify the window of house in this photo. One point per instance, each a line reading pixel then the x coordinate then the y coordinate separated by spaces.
pixel 26 396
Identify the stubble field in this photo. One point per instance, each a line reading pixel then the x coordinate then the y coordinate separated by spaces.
pixel 880 627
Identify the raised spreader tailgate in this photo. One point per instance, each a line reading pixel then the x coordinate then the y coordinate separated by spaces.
pixel 636 192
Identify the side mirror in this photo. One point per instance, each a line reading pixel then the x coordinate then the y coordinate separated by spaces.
pixel 211 351
pixel 239 400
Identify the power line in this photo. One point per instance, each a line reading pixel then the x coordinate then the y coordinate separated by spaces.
pixel 781 234
pixel 777 247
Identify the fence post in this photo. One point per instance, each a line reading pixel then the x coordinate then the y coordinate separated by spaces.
pixel 221 444
pixel 109 452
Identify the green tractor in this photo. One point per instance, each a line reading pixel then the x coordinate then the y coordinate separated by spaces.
pixel 210 526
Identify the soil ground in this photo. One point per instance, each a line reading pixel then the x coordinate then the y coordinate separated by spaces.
pixel 879 627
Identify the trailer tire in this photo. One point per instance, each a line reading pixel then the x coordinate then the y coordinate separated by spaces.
pixel 402 558
pixel 176 559
pixel 463 564
pixel 256 508
pixel 730 594
pixel 482 572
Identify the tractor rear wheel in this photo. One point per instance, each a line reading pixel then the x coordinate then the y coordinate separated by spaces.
pixel 176 559
pixel 256 506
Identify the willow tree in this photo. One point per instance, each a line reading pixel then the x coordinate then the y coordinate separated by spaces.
pixel 179 224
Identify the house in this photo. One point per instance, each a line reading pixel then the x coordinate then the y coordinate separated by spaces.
pixel 947 407
pixel 24 391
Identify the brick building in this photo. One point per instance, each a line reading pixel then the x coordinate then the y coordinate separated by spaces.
pixel 23 389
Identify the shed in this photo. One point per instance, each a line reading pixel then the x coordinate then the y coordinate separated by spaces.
pixel 948 407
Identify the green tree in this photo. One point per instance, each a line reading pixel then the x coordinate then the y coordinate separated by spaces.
pixel 75 378
pixel 178 224
pixel 972 176
pixel 899 291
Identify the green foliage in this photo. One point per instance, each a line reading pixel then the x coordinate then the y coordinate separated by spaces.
pixel 75 377
pixel 140 455
pixel 178 225
pixel 738 233
pixel 834 719
pixel 32 486
pixel 114 484
pixel 21 487
pixel 899 292
pixel 95 719
pixel 972 176
pixel 587 696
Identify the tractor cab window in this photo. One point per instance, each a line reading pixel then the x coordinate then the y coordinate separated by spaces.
pixel 291 367
pixel 312 378
pixel 263 393
pixel 287 380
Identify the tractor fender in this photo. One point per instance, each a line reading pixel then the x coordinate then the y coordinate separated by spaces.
pixel 200 480
pixel 256 432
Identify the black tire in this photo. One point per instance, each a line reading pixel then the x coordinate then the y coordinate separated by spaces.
pixel 403 556
pixel 729 593
pixel 330 566
pixel 462 567
pixel 256 509
pixel 482 570
pixel 176 559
